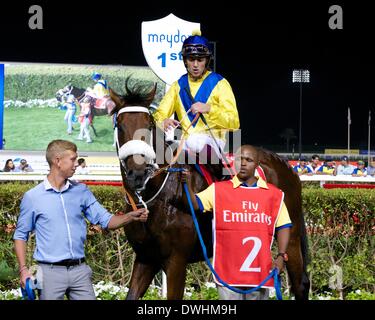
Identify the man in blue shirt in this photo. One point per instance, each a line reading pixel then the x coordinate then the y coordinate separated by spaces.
pixel 371 167
pixel 56 210
pixel 345 168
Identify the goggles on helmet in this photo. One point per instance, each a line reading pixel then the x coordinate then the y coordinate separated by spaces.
pixel 196 50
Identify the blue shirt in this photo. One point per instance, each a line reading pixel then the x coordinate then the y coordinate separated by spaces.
pixel 348 170
pixel 371 170
pixel 58 219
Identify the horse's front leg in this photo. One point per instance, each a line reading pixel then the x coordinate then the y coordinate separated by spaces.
pixel 141 278
pixel 176 276
pixel 93 129
pixel 296 270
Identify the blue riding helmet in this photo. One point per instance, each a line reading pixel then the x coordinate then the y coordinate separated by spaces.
pixel 196 45
pixel 96 76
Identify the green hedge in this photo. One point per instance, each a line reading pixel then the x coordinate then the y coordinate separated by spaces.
pixel 41 81
pixel 340 225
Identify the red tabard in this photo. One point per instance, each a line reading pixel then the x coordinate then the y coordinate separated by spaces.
pixel 244 224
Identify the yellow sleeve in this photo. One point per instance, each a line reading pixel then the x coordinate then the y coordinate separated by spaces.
pixel 207 198
pixel 283 217
pixel 223 113
pixel 100 91
pixel 167 105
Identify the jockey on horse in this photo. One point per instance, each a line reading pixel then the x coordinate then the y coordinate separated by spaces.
pixel 200 91
pixel 100 93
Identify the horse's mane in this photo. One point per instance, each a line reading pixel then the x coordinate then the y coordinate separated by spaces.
pixel 272 155
pixel 136 94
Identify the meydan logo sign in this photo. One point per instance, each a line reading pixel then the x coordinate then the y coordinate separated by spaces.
pixel 162 43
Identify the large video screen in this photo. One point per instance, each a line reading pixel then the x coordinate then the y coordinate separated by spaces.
pixel 43 102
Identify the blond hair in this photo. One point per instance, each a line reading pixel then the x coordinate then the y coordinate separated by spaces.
pixel 56 147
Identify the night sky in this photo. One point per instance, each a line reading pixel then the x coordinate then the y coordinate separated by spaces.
pixel 257 49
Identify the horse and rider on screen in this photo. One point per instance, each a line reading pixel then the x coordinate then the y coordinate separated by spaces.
pixel 96 99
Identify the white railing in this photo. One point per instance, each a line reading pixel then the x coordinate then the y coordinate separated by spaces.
pixel 114 175
pixel 340 178
pixel 33 176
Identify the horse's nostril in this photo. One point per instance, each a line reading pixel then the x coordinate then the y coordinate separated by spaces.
pixel 130 173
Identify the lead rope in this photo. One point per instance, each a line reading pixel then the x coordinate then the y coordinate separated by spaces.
pixel 141 200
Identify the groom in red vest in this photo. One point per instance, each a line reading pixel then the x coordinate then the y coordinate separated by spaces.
pixel 248 212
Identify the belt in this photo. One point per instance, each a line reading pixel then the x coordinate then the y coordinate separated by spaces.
pixel 65 263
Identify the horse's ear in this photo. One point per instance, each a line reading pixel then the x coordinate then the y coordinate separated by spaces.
pixel 119 102
pixel 152 93
pixel 154 89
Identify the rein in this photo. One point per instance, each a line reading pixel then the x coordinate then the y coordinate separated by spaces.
pixel 179 149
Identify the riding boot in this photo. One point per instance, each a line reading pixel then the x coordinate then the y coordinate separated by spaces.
pixel 213 164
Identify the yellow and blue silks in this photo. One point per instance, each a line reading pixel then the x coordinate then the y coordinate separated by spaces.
pixel 212 89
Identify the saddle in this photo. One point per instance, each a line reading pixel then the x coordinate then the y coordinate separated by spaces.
pixel 213 172
pixel 100 103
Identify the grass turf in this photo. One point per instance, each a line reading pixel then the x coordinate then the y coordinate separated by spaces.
pixel 34 128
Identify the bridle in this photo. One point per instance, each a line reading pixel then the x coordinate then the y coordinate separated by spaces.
pixel 133 147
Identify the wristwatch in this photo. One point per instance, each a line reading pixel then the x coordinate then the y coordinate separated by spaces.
pixel 284 255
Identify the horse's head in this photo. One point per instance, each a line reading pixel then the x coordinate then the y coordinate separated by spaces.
pixel 133 129
pixel 63 93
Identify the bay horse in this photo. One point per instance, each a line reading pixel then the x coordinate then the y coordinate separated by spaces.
pixel 98 107
pixel 168 240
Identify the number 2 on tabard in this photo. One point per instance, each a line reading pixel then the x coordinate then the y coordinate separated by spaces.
pixel 252 255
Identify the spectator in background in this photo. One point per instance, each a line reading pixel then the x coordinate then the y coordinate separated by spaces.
pixel 361 170
pixel 328 167
pixel 345 168
pixel 371 167
pixel 70 112
pixel 302 167
pixel 24 166
pixel 82 167
pixel 314 163
pixel 9 166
